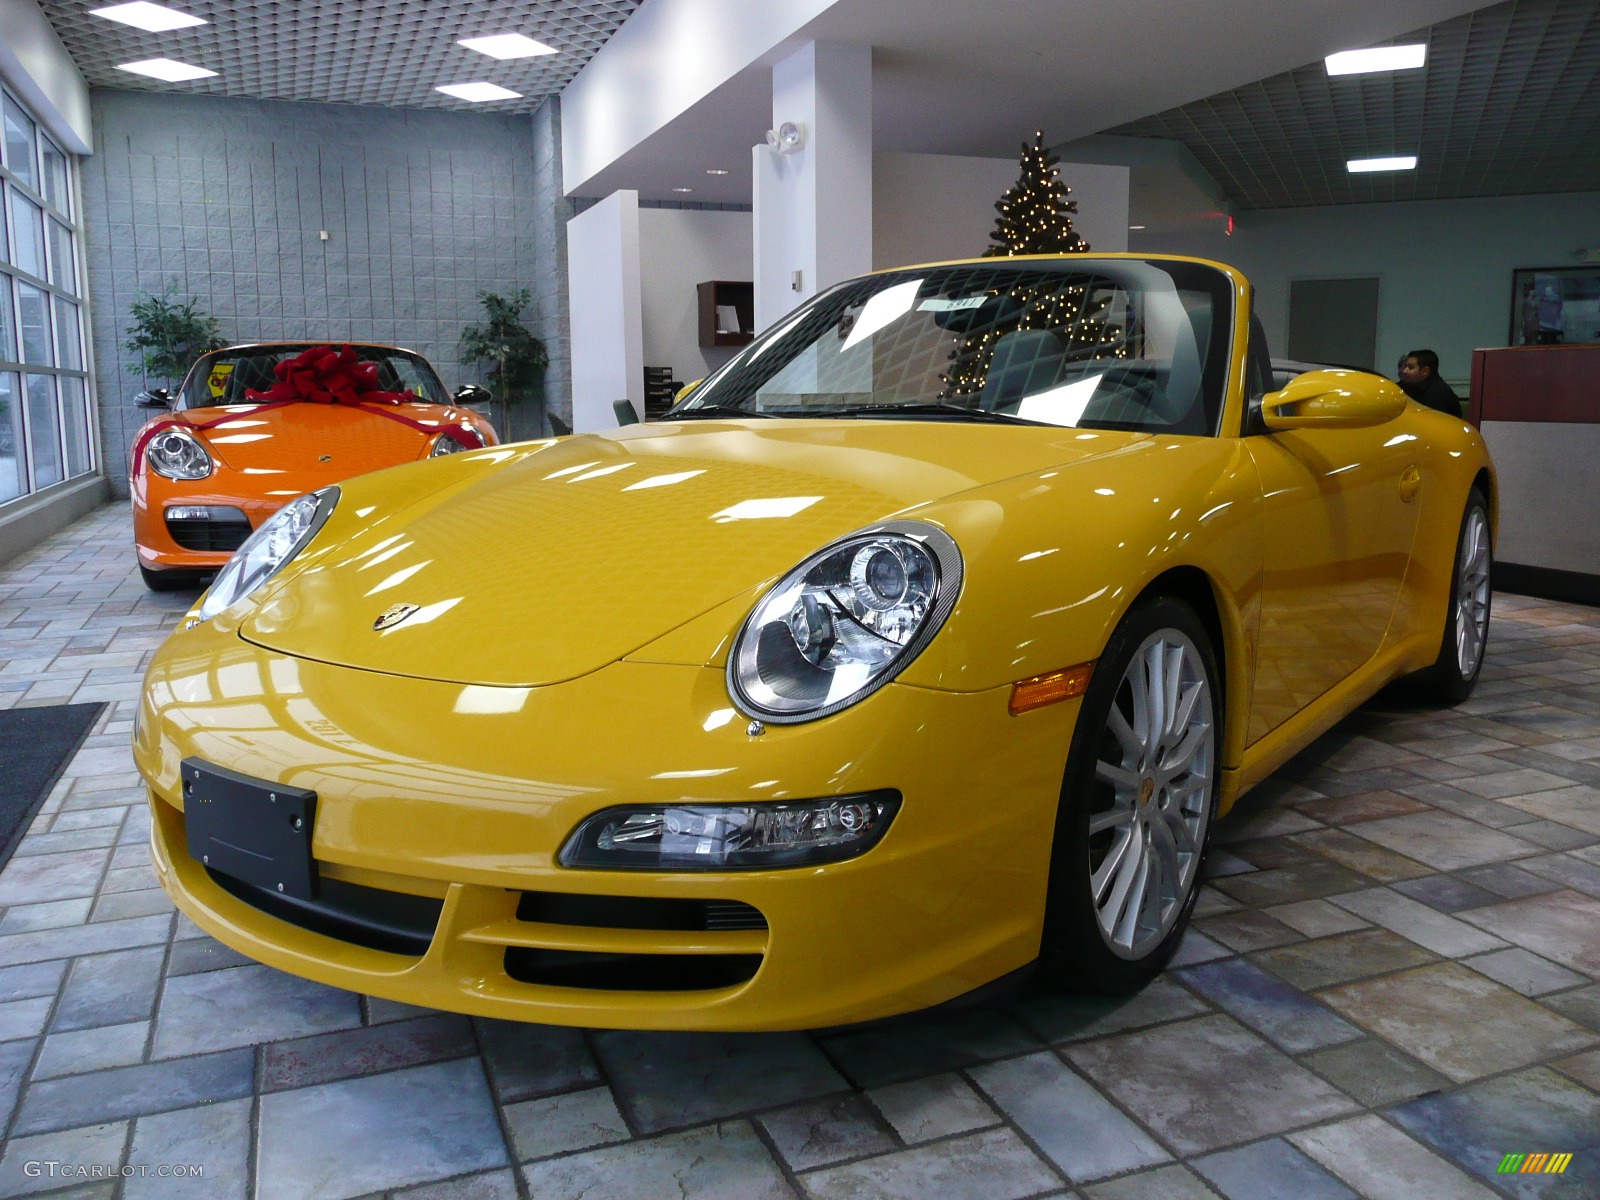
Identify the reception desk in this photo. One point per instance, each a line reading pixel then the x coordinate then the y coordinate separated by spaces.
pixel 1539 410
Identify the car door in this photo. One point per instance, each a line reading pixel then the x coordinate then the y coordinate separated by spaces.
pixel 1337 516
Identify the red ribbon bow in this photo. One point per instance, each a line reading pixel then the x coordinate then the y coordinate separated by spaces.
pixel 324 375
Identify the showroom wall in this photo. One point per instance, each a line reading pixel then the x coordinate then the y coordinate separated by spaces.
pixel 227 199
pixel 1444 266
pixel 678 249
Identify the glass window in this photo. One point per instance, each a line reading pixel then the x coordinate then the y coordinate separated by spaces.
pixel 13 479
pixel 227 377
pixel 44 436
pixel 46 420
pixel 69 338
pixel 27 229
pixel 20 145
pixel 75 420
pixel 56 190
pixel 62 272
pixel 1082 343
pixel 33 312
pixel 8 326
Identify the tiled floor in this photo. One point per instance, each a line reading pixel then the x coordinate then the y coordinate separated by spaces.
pixel 1393 982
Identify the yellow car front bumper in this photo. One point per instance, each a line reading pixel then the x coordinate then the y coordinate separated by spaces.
pixel 464 795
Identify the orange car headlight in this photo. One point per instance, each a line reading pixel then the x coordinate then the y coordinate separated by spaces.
pixel 178 454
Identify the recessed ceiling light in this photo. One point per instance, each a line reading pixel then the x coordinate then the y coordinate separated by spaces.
pixel 715 171
pixel 478 92
pixel 506 45
pixel 166 70
pixel 1402 162
pixel 1378 58
pixel 153 17
pixel 683 189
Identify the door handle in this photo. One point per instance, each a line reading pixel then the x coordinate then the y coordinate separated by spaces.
pixel 1410 483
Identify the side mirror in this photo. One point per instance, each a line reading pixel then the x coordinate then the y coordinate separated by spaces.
pixel 1332 400
pixel 625 413
pixel 471 393
pixel 686 389
pixel 154 398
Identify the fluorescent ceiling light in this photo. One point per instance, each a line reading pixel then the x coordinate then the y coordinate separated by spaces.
pixel 1135 226
pixel 166 70
pixel 1379 58
pixel 506 45
pixel 1403 162
pixel 683 189
pixel 153 17
pixel 478 92
pixel 715 171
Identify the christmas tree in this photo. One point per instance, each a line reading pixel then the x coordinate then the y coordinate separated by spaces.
pixel 1035 214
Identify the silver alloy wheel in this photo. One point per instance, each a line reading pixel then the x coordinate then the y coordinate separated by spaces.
pixel 1472 593
pixel 1159 760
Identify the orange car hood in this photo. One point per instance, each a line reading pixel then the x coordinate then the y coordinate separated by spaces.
pixel 563 561
pixel 307 446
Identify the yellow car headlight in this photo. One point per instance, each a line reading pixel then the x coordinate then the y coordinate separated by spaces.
pixel 268 550
pixel 845 622
pixel 726 837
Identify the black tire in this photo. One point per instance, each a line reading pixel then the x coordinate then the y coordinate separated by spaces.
pixel 169 581
pixel 1076 953
pixel 1448 680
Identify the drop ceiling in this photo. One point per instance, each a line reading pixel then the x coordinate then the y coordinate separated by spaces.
pixel 387 52
pixel 1508 104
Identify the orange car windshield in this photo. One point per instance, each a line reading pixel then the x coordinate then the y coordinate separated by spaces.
pixel 226 376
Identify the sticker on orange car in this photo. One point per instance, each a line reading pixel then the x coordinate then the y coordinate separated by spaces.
pixel 218 382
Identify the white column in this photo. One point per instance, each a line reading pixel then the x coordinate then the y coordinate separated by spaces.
pixel 813 207
pixel 607 316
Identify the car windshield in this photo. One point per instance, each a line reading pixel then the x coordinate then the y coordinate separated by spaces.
pixel 1079 342
pixel 227 375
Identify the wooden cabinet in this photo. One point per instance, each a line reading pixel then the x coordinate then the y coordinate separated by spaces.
pixel 736 299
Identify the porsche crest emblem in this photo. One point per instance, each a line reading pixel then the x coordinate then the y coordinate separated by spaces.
pixel 390 617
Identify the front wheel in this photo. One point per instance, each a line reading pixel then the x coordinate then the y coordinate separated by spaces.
pixel 1466 630
pixel 1137 802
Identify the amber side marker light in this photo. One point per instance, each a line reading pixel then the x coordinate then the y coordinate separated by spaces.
pixel 1042 690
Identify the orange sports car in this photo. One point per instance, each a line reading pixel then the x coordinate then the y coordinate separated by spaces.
pixel 254 426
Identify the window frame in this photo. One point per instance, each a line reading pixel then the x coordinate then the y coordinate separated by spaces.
pixel 60 298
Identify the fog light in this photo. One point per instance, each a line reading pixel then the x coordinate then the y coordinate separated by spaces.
pixel 188 512
pixel 723 837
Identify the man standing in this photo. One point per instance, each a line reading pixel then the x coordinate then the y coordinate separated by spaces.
pixel 1419 379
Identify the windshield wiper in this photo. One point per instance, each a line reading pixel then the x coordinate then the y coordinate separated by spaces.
pixel 713 410
pixel 937 408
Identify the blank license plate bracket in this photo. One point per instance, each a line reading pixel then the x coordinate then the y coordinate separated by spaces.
pixel 255 831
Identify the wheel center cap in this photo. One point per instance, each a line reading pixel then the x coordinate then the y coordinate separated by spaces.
pixel 1147 788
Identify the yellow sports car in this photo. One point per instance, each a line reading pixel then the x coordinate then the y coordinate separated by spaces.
pixel 921 645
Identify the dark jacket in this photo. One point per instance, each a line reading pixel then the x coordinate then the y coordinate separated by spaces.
pixel 1435 393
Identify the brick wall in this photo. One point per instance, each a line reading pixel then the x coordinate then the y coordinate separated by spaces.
pixel 226 199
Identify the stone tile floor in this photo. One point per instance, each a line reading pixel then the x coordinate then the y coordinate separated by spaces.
pixel 1393 981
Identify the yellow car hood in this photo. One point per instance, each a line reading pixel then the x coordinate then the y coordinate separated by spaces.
pixel 563 561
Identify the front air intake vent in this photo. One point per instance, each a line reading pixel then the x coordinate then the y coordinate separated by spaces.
pixel 638 912
pixel 630 972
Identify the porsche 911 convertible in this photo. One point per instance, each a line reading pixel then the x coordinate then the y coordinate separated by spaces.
pixel 920 646
pixel 252 427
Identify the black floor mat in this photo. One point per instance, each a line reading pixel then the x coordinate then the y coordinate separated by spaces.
pixel 36 744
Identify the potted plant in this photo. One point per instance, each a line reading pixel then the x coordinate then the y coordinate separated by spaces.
pixel 515 357
pixel 168 335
